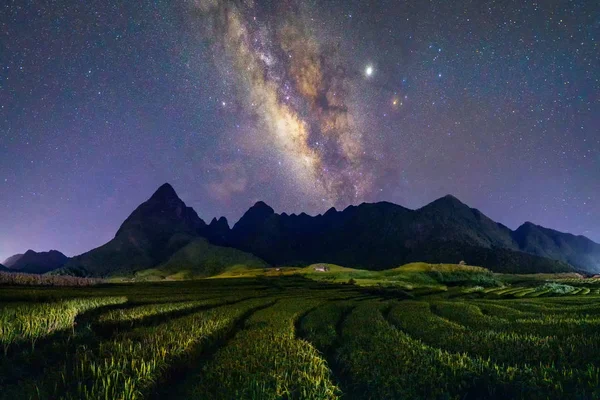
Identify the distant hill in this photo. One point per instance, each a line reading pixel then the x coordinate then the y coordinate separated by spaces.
pixel 199 258
pixel 37 263
pixel 3 268
pixel 149 236
pixel 578 251
pixel 164 237
pixel 9 262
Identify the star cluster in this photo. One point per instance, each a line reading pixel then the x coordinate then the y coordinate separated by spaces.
pixel 302 104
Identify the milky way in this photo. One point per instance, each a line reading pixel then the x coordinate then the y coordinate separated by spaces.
pixel 298 90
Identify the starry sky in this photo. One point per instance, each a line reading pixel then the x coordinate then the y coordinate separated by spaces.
pixel 302 104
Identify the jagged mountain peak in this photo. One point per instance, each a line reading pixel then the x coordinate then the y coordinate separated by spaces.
pixel 262 207
pixel 31 252
pixel 331 211
pixel 153 231
pixel 219 223
pixel 528 225
pixel 165 192
pixel 163 212
pixel 255 215
pixel 447 201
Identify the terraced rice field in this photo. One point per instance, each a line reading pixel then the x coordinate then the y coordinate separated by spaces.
pixel 564 288
pixel 291 338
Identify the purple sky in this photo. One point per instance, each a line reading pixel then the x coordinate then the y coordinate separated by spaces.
pixel 314 106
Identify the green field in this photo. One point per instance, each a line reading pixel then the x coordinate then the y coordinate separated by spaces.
pixel 416 332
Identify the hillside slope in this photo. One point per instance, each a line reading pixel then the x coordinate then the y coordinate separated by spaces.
pixel 150 235
pixel 9 262
pixel 578 251
pixel 37 262
pixel 199 258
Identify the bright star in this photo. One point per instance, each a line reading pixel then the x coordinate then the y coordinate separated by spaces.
pixel 369 70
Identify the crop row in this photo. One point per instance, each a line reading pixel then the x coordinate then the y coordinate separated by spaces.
pixel 549 289
pixel 266 360
pixel 500 345
pixel 320 326
pixel 29 322
pixel 129 365
pixel 544 324
pixel 386 363
pixel 135 314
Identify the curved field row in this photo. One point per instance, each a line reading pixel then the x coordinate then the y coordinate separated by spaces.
pixel 502 309
pixel 299 340
pixel 581 281
pixel 137 313
pixel 572 306
pixel 321 325
pixel 29 322
pixel 540 291
pixel 525 292
pixel 502 345
pixel 128 366
pixel 266 360
pixel 386 363
pixel 544 324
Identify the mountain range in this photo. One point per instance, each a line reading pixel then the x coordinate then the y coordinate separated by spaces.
pixel 384 235
pixel 36 263
pixel 164 237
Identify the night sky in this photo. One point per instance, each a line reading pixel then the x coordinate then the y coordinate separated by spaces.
pixel 302 104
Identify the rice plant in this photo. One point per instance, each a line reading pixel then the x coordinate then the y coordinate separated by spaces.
pixel 29 322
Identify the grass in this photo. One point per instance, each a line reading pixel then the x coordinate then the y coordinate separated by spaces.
pixel 30 322
pixel 129 365
pixel 266 360
pixel 298 333
pixel 201 259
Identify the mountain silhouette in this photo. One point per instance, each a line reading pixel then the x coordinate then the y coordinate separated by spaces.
pixel 384 235
pixel 11 260
pixel 36 263
pixel 372 236
pixel 218 231
pixel 150 235
pixel 578 251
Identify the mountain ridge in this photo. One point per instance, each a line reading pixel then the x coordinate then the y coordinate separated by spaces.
pixel 36 262
pixel 441 231
pixel 153 232
pixel 577 250
pixel 369 235
pixel 11 260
